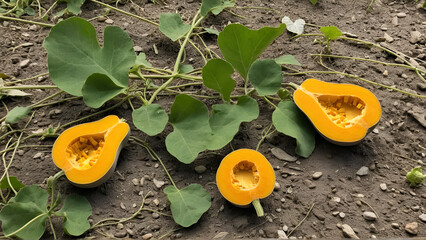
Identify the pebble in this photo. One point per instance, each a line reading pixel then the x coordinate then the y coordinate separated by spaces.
pixel 415 37
pixel 285 228
pixel 316 175
pixel 221 235
pixel 388 38
pixel 383 186
pixel 395 21
pixel 122 206
pixel 373 228
pixel 120 234
pixel 24 63
pixel 120 226
pixel 349 232
pixel 386 73
pixel 342 215
pixel 423 217
pixel 282 155
pixel 200 169
pixel 155 215
pixel 376 131
pixel 401 14
pixel 38 155
pixel 412 228
pixel 395 225
pixel 135 181
pixel 421 86
pixel 362 171
pixel 156 202
pixel 147 236
pixel 281 234
pixel 277 186
pixel 130 231
pixel 109 21
pixel 370 216
pixel 310 184
pixel 138 48
pixel 158 184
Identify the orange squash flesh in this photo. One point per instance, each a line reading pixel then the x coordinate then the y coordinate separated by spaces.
pixel 342 113
pixel 245 175
pixel 88 152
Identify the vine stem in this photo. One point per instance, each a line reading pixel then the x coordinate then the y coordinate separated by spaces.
pixel 26 21
pixel 300 223
pixel 26 225
pixel 26 79
pixel 264 136
pixel 258 207
pixel 126 13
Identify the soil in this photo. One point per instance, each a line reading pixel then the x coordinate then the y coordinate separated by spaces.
pixel 340 196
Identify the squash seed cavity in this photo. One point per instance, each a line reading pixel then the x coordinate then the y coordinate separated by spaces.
pixel 245 176
pixel 83 152
pixel 342 110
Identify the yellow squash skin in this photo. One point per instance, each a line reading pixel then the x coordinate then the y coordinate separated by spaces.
pixel 342 113
pixel 88 152
pixel 234 191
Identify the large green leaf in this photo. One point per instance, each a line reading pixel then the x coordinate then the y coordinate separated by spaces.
pixel 208 5
pixel 14 182
pixel 266 76
pixel 172 26
pixel 288 119
pixel 98 89
pixel 17 113
pixel 191 131
pixel 226 118
pixel 25 215
pixel 76 211
pixel 74 54
pixel 241 46
pixel 188 204
pixel 217 76
pixel 150 119
pixel 74 6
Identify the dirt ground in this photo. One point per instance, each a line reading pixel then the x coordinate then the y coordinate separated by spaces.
pixel 341 195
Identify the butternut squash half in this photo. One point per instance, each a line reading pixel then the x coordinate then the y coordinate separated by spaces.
pixel 244 176
pixel 342 113
pixel 88 152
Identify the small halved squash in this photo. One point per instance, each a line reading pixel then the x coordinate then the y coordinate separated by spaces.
pixel 342 113
pixel 244 176
pixel 88 152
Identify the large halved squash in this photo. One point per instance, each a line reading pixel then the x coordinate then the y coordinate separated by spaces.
pixel 88 152
pixel 342 113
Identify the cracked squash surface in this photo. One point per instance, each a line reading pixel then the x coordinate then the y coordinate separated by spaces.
pixel 342 113
pixel 88 152
pixel 245 175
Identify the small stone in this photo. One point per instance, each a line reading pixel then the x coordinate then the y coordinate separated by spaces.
pixel 310 184
pixel 401 14
pixel 335 213
pixel 316 175
pixel 370 216
pixel 147 236
pixel 281 234
pixel 412 228
pixel 388 38
pixel 362 171
pixel 120 226
pixel 383 186
pixel 158 184
pixel 285 228
pixel 421 86
pixel 376 131
pixel 282 155
pixel 221 235
pixel 38 155
pixel 34 27
pixel 156 202
pixel 122 206
pixel 24 63
pixel 373 228
pixel 120 234
pixel 415 37
pixel 415 208
pixel 277 186
pixel 349 232
pixel 200 169
pixel 335 199
pixel 137 49
pixel 135 181
pixel 342 215
pixel 109 21
pixel 155 215
pixel 395 225
pixel 385 73
pixel 395 21
pixel 101 19
pixel 423 217
pixel 130 231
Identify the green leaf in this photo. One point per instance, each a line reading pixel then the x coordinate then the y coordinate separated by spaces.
pixel 29 11
pixel 415 176
pixel 287 59
pixel 265 76
pixel 172 26
pixel 331 32
pixel 74 6
pixel 14 182
pixel 226 118
pixel 185 68
pixel 294 27
pixel 284 94
pixel 188 204
pixel 141 60
pixel 212 31
pixel 98 89
pixel 76 211
pixel 217 76
pixel 17 113
pixel 208 5
pixel 220 8
pixel 29 207
pixel 241 46
pixel 150 119
pixel 4 76
pixel 288 119
pixel 61 13
pixel 314 2
pixel 191 131
pixel 74 54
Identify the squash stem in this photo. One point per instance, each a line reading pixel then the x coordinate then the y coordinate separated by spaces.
pixel 258 207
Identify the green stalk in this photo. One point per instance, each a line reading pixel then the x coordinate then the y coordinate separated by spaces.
pixel 26 21
pixel 258 207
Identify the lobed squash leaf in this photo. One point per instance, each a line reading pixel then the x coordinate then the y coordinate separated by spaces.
pixel 141 61
pixel 185 68
pixel 74 54
pixel 150 119
pixel 331 32
pixel 98 89
pixel 287 59
pixel 265 76
pixel 217 76
pixel 296 27
pixel 241 46
pixel 215 6
pixel 75 211
pixel 288 119
pixel 17 113
pixel 188 204
pixel 14 182
pixel 172 26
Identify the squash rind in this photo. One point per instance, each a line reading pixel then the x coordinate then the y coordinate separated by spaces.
pixel 305 98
